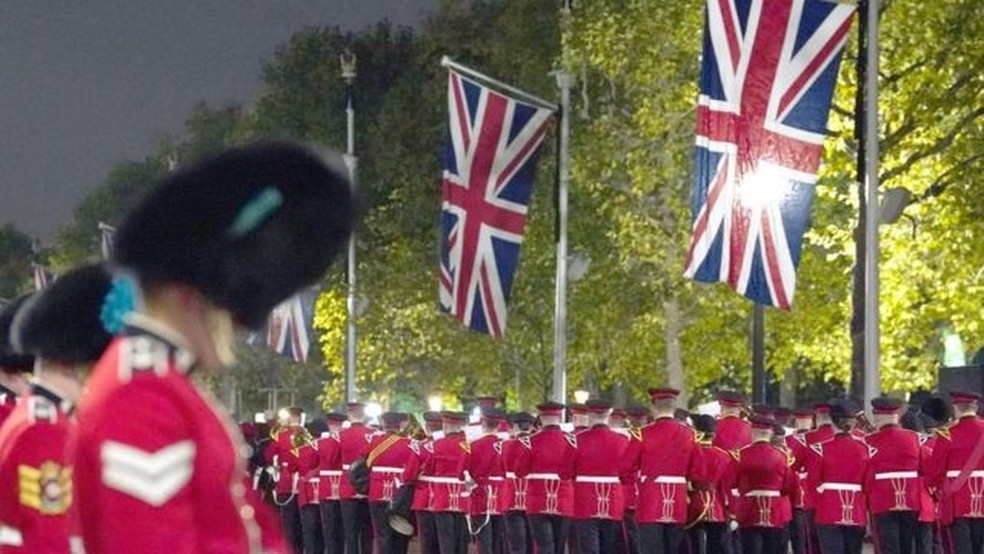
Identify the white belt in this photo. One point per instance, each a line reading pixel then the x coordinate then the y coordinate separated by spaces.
pixel 345 467
pixel 441 480
pixel 543 476
pixel 330 472
pixel 849 487
pixel 896 475
pixel 956 473
pixel 386 469
pixel 496 478
pixel 763 493
pixel 511 475
pixel 589 479
pixel 669 479
pixel 10 536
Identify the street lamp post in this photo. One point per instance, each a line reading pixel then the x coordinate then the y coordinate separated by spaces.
pixel 351 162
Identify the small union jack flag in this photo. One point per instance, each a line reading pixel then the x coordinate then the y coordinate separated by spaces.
pixel 489 163
pixel 769 70
pixel 287 332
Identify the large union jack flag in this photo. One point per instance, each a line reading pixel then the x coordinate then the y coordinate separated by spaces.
pixel 489 162
pixel 769 69
pixel 287 332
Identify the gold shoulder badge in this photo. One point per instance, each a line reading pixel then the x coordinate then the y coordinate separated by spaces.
pixel 736 454
pixel 635 433
pixel 943 432
pixel 47 489
pixel 465 446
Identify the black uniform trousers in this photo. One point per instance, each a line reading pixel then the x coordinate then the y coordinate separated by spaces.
pixel 895 532
pixel 452 532
pixel 387 540
pixel 598 536
pixel 290 521
pixel 357 524
pixel 311 529
pixel 764 540
pixel 710 537
pixel 661 538
pixel 550 532
pixel 331 527
pixel 427 532
pixel 840 539
pixel 798 531
pixel 631 531
pixel 967 536
pixel 517 537
pixel 488 536
pixel 926 539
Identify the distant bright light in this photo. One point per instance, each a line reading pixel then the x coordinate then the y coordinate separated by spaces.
pixel 767 186
pixel 374 410
pixel 476 415
pixel 283 415
pixel 581 396
pixel 435 403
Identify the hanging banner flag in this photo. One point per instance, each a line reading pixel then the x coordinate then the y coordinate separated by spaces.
pixel 42 277
pixel 489 164
pixel 107 234
pixel 287 332
pixel 769 70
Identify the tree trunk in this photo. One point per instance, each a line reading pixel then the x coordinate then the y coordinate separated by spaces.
pixel 856 386
pixel 674 356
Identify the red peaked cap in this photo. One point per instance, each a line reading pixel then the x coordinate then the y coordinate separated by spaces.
pixel 964 397
pixel 885 405
pixel 760 422
pixel 550 409
pixel 663 393
pixel 730 398
pixel 597 406
pixel 454 417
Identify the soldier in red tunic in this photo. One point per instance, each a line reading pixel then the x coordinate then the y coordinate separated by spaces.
pixel 61 328
pixel 708 510
pixel 444 475
pixel 598 500
pixel 307 492
pixel 667 460
pixel 956 470
pixel 762 484
pixel 330 483
pixel 13 366
pixel 549 474
pixel 159 464
pixel 733 432
pixel 894 486
pixel 283 453
pixel 388 454
pixel 796 447
pixel 354 444
pixel 486 470
pixel 638 417
pixel 512 500
pixel 839 468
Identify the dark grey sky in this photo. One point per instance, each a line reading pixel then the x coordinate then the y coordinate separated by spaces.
pixel 86 84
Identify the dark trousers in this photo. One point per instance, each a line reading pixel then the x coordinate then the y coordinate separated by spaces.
pixel 387 540
pixel 427 531
pixel 358 532
pixel 710 538
pixel 661 538
pixel 598 536
pixel 764 540
pixel 452 532
pixel 550 533
pixel 925 538
pixel 488 536
pixel 311 529
pixel 517 537
pixel 812 537
pixel 331 527
pixel 797 532
pixel 895 532
pixel 967 536
pixel 631 532
pixel 840 539
pixel 290 521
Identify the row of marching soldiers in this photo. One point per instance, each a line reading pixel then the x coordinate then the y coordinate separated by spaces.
pixel 821 480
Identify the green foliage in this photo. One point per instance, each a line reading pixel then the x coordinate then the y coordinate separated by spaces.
pixel 15 262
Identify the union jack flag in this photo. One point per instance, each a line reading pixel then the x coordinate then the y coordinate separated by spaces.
pixel 489 162
pixel 287 332
pixel 769 70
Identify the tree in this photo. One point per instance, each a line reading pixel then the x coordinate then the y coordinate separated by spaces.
pixel 16 254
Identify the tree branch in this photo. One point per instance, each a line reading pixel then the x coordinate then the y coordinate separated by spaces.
pixel 940 145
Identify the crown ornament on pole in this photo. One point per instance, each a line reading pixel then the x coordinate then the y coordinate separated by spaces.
pixel 347 59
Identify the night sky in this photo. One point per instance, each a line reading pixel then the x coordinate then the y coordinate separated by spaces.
pixel 85 85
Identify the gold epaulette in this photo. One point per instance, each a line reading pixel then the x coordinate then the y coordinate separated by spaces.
pixel 943 432
pixel 635 433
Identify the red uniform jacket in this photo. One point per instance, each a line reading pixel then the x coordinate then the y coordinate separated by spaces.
pixel 550 472
pixel 329 467
pixel 35 475
pixel 387 467
pixel 667 460
pixel 761 485
pixel 515 454
pixel 894 482
pixel 597 474
pixel 444 472
pixel 8 400
pixel 354 445
pixel 630 480
pixel 733 433
pixel 421 451
pixel 821 434
pixel 485 468
pixel 951 458
pixel 710 504
pixel 281 454
pixel 839 468
pixel 159 465
pixel 307 471
pixel 928 508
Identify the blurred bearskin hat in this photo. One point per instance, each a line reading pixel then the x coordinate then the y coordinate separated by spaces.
pixel 10 359
pixel 246 228
pixel 62 322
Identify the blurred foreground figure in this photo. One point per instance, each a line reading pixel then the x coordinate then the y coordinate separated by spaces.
pixel 61 328
pixel 159 465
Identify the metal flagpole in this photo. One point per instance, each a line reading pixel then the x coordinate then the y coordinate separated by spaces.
pixel 351 162
pixel 451 64
pixel 872 371
pixel 564 81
